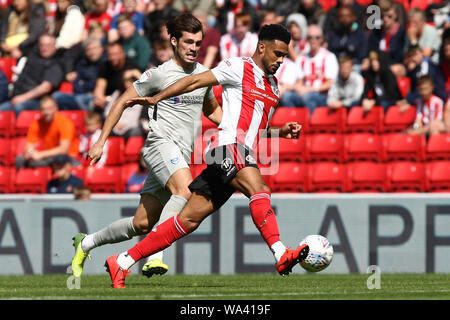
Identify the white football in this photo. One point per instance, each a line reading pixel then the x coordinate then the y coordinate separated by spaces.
pixel 320 253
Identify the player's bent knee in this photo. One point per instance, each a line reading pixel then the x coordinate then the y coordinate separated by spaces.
pixel 141 226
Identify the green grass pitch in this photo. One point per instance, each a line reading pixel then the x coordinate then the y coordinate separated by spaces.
pixel 230 287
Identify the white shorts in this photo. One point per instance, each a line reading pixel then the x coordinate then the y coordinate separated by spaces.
pixel 163 158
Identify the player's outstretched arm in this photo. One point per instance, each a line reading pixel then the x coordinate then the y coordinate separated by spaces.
pixel 186 84
pixel 95 153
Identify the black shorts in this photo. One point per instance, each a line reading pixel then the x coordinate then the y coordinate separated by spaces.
pixel 223 163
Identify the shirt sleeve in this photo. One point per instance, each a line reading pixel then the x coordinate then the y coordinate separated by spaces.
pixel 229 71
pixel 149 83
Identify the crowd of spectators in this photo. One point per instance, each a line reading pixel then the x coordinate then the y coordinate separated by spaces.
pixel 81 54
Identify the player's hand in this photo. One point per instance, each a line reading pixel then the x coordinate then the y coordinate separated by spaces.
pixel 290 130
pixel 143 101
pixel 95 153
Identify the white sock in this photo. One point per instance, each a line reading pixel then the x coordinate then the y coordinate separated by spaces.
pixel 125 261
pixel 87 244
pixel 278 249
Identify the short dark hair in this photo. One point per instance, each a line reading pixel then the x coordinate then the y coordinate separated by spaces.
pixel 425 79
pixel 184 22
pixel 271 32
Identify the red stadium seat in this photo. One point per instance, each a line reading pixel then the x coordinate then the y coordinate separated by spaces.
pixel 77 117
pixel 32 180
pixel 18 146
pixel 127 171
pixel 396 121
pixel 326 177
pixel 6 154
pixel 283 149
pixel 438 176
pixel 406 176
pixel 7 123
pixel 291 177
pixel 363 147
pixel 7 176
pixel 327 4
pixel 287 114
pixel 133 147
pixel 6 65
pixel 360 121
pixel 116 147
pixel 438 147
pixel 366 177
pixel 24 120
pixel 404 147
pixel 325 147
pixel 104 180
pixel 404 84
pixel 324 119
pixel 79 172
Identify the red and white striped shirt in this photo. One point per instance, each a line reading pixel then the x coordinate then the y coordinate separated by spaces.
pixel 249 100
pixel 317 69
pixel 230 47
pixel 430 110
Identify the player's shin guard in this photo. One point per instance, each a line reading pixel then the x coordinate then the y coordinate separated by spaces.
pixel 264 217
pixel 166 233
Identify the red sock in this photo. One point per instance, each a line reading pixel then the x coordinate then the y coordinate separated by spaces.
pixel 166 233
pixel 264 217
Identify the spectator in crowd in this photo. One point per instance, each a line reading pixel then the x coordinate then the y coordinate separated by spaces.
pixel 390 38
pixel 209 54
pixel 423 35
pixel 162 52
pixel 130 10
pixel 315 73
pixel 4 87
pixel 206 6
pixel 298 27
pixel 331 18
pixel 110 74
pixel 269 16
pixel 83 78
pixel 81 193
pixel 227 13
pixel 128 124
pixel 381 87
pixel 445 64
pixel 418 65
pixel 64 181
pixel 98 14
pixel 430 109
pixel 240 42
pixel 347 90
pixel 68 25
pixel 51 135
pixel 161 12
pixel 286 78
pixel 93 124
pixel 137 47
pixel 348 38
pixel 313 12
pixel 41 75
pixel 136 181
pixel 96 31
pixel 281 9
pixel 22 25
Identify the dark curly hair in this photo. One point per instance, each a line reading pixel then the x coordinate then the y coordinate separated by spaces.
pixel 271 32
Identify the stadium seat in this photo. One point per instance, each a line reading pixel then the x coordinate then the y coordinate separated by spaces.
pixel 291 177
pixel 283 149
pixel 396 121
pixel 326 177
pixel 18 146
pixel 287 114
pixel 328 4
pixel 325 147
pixel 438 147
pixel 104 180
pixel 116 147
pixel 7 123
pixel 324 119
pixel 7 176
pixel 405 176
pixel 404 84
pixel 366 177
pixel 127 171
pixel 404 147
pixel 360 121
pixel 77 117
pixel 24 120
pixel 79 172
pixel 6 65
pixel 6 154
pixel 132 148
pixel 32 180
pixel 438 176
pixel 363 147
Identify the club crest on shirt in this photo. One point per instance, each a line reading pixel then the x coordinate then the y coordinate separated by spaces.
pixel 175 160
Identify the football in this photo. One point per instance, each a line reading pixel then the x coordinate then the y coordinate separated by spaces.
pixel 320 253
